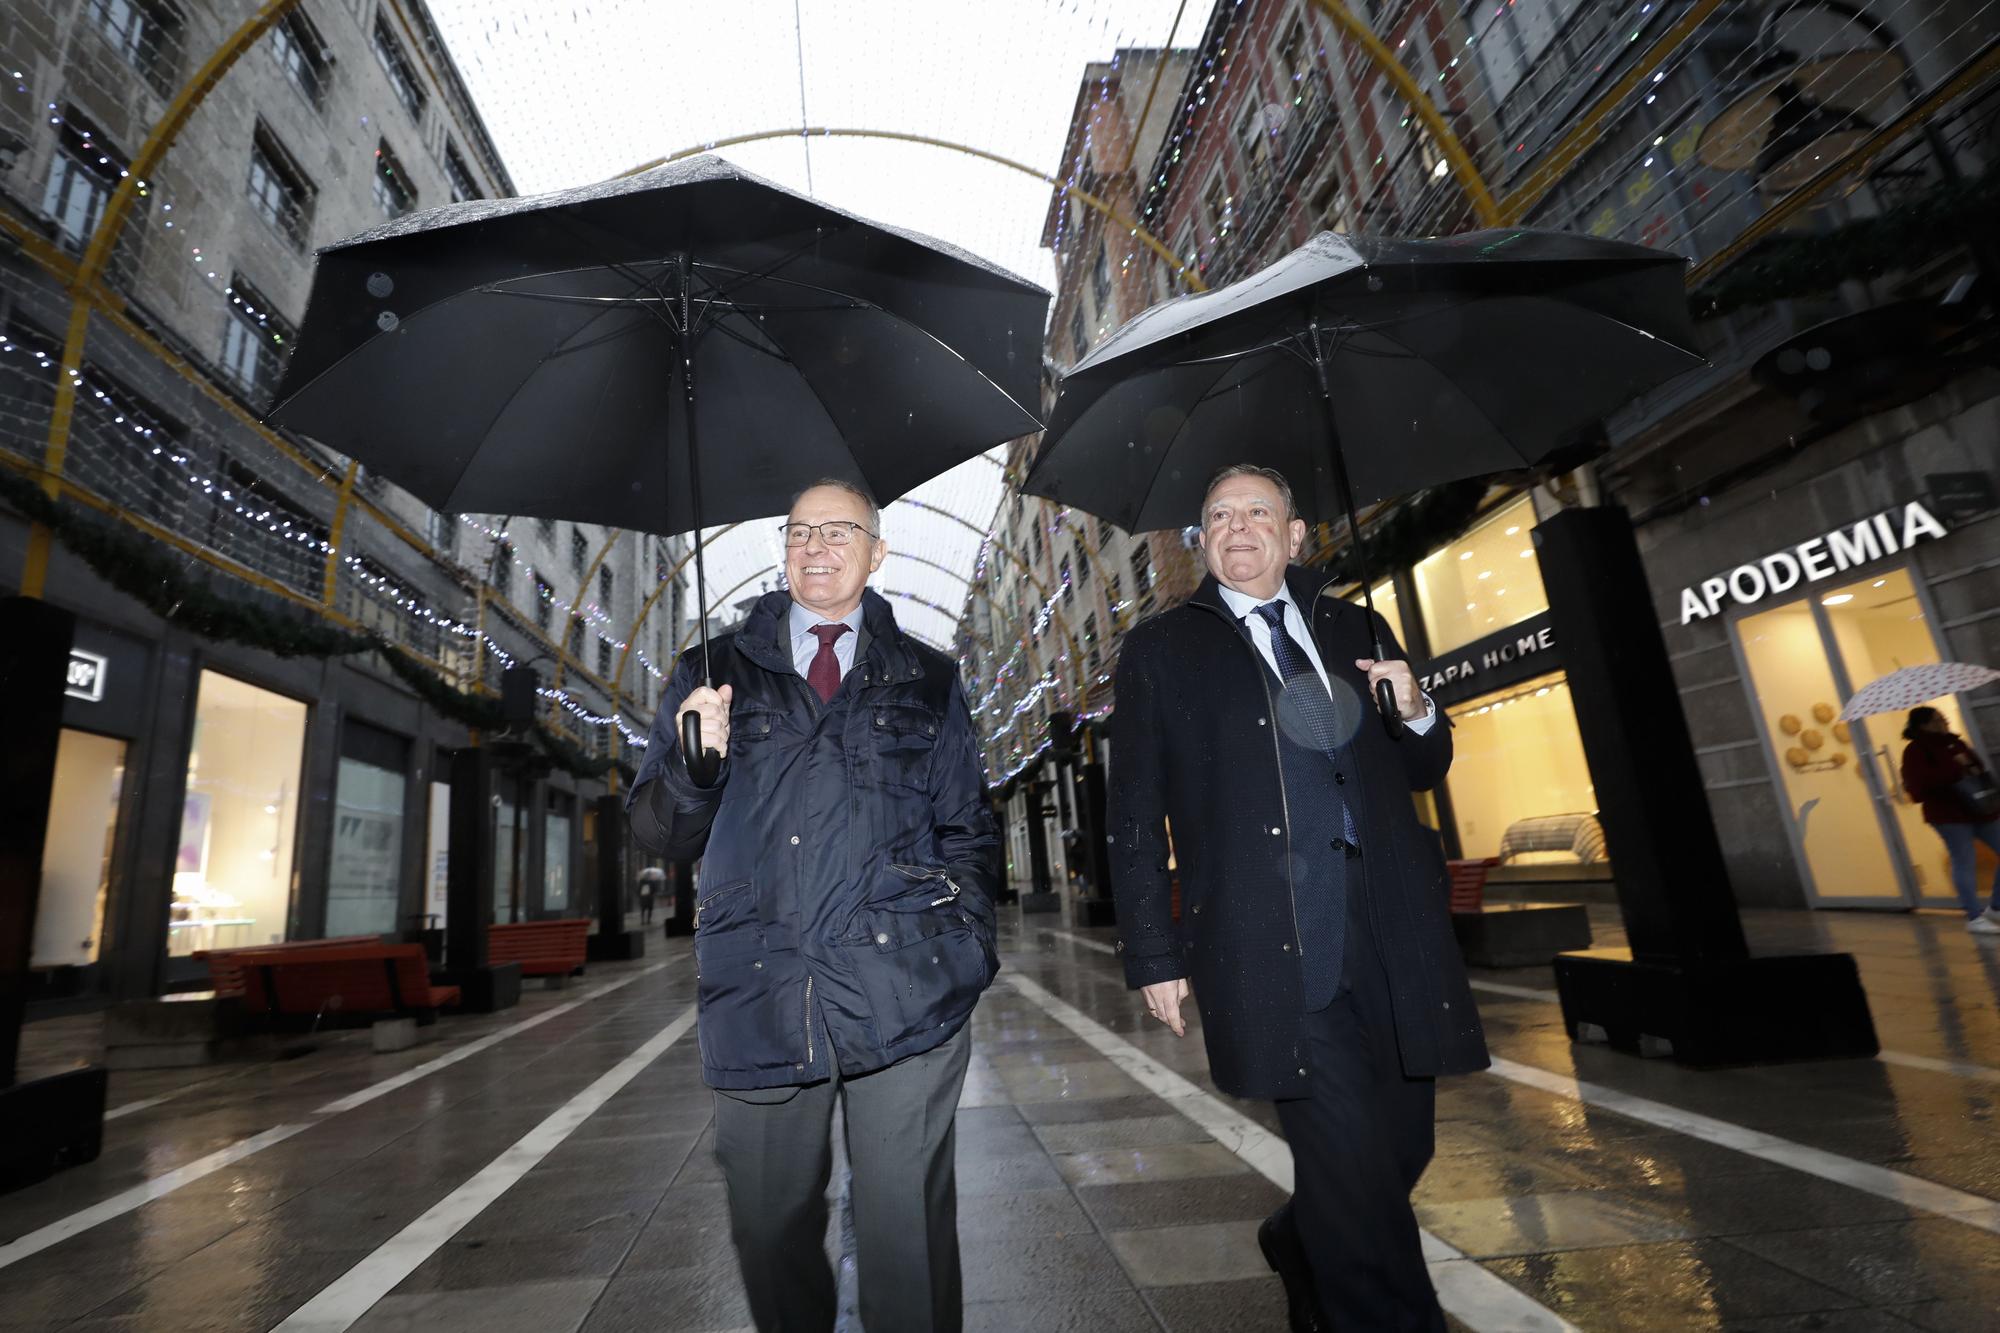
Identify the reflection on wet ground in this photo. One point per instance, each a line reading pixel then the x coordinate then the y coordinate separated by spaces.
pixel 559 1176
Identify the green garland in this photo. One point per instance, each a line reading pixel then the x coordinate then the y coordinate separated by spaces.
pixel 133 565
pixel 1412 531
pixel 1941 219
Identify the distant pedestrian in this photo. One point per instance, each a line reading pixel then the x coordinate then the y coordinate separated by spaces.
pixel 652 882
pixel 1957 791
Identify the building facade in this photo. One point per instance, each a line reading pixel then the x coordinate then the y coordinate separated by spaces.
pixel 240 786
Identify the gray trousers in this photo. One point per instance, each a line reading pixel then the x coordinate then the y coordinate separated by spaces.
pixel 776 1151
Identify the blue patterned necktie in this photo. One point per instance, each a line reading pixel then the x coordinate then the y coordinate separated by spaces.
pixel 1309 696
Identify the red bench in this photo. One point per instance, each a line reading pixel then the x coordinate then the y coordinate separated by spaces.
pixel 369 979
pixel 1468 883
pixel 225 969
pixel 542 948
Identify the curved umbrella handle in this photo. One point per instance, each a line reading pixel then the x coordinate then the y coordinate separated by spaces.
pixel 703 765
pixel 1392 716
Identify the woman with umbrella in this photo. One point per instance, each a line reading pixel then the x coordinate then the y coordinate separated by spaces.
pixel 1961 801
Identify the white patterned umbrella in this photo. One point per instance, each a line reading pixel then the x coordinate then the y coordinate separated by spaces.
pixel 1905 689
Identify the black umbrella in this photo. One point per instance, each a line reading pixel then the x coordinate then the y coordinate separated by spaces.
pixel 540 356
pixel 1438 359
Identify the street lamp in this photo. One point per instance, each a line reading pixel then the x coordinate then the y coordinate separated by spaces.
pixel 1789 116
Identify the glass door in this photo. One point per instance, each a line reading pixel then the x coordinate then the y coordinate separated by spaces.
pixel 1859 840
pixel 1878 626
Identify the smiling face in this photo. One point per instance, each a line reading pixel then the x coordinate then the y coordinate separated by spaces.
pixel 827 580
pixel 1248 536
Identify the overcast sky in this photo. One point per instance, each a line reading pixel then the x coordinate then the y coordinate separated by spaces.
pixel 578 92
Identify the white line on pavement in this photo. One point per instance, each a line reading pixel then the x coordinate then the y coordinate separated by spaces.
pixel 1913 1191
pixel 1962 1068
pixel 1467 1291
pixel 167 1182
pixel 351 1295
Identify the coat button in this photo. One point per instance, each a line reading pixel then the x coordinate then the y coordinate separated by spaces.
pixel 759 966
pixel 1302 1070
pixel 1447 1004
pixel 1286 947
pixel 1340 779
pixel 795 840
pixel 1197 909
pixel 1260 721
pixel 882 937
pixel 1275 830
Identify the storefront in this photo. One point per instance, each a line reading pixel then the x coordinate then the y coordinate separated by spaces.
pixel 1519 787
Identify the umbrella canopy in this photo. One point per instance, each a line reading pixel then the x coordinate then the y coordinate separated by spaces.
pixel 1442 359
pixel 1902 690
pixel 532 356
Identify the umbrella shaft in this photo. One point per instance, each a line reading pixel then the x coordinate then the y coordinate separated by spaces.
pixel 1345 488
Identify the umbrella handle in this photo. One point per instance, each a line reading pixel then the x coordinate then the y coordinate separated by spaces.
pixel 1392 716
pixel 703 764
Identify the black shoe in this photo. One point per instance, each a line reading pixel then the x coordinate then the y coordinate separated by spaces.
pixel 1279 1240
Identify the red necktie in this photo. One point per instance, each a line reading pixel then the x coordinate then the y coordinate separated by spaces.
pixel 824 673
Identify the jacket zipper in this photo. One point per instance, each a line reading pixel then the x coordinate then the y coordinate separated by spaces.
pixel 1285 804
pixel 809 1018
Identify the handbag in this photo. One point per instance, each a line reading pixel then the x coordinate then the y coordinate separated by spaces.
pixel 1979 794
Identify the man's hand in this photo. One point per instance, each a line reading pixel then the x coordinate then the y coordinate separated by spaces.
pixel 712 707
pixel 1409 699
pixel 1163 1001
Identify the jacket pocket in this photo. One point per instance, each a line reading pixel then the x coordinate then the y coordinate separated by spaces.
pixel 921 969
pixel 725 924
pixel 903 736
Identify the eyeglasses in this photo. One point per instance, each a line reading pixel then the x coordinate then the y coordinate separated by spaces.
pixel 837 533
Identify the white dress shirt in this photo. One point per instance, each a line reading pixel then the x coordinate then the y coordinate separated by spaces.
pixel 805 644
pixel 1244 607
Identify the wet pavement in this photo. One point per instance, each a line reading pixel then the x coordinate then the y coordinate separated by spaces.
pixel 549 1168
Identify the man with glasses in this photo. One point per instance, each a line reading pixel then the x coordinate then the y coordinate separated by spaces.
pixel 844 922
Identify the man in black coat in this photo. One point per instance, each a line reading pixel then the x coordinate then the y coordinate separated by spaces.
pixel 1313 927
pixel 844 923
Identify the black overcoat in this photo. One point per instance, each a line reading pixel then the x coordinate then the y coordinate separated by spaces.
pixel 849 856
pixel 1194 742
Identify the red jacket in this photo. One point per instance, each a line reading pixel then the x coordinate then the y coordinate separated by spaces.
pixel 1931 763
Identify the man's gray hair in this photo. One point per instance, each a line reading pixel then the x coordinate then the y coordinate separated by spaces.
pixel 841 484
pixel 1272 475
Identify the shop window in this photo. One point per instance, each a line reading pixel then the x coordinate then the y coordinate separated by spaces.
pixel 364 871
pixel 1519 782
pixel 76 858
pixel 508 850
pixel 556 853
pixel 239 818
pixel 1485 581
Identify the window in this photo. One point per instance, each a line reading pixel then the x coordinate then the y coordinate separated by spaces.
pixel 1142 570
pixel 146 34
pixel 1114 592
pixel 396 64
pixel 604 657
pixel 1481 583
pixel 299 50
pixel 82 175
pixel 463 187
pixel 1078 337
pixel 579 551
pixel 1035 536
pixel 1298 65
pixel 443 533
pixel 1093 657
pixel 604 586
pixel 1100 280
pixel 545 528
pixel 1255 145
pixel 503 570
pixel 545 601
pixel 556 852
pixel 280 192
pixel 576 638
pixel 1104 531
pixel 1215 206
pixel 239 818
pixel 255 339
pixel 364 877
pixel 1068 587
pixel 393 191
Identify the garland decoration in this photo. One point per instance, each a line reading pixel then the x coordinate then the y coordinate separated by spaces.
pixel 1413 531
pixel 1935 222
pixel 134 566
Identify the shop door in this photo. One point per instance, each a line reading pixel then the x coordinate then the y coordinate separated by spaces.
pixel 1860 841
pixel 76 858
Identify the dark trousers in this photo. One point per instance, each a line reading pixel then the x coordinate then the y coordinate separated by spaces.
pixel 645 909
pixel 776 1151
pixel 1360 1140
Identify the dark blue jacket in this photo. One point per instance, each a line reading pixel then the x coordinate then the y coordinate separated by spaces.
pixel 1194 743
pixel 849 856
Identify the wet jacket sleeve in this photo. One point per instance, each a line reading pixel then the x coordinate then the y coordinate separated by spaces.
pixel 1427 756
pixel 968 836
pixel 669 813
pixel 1929 770
pixel 1137 815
